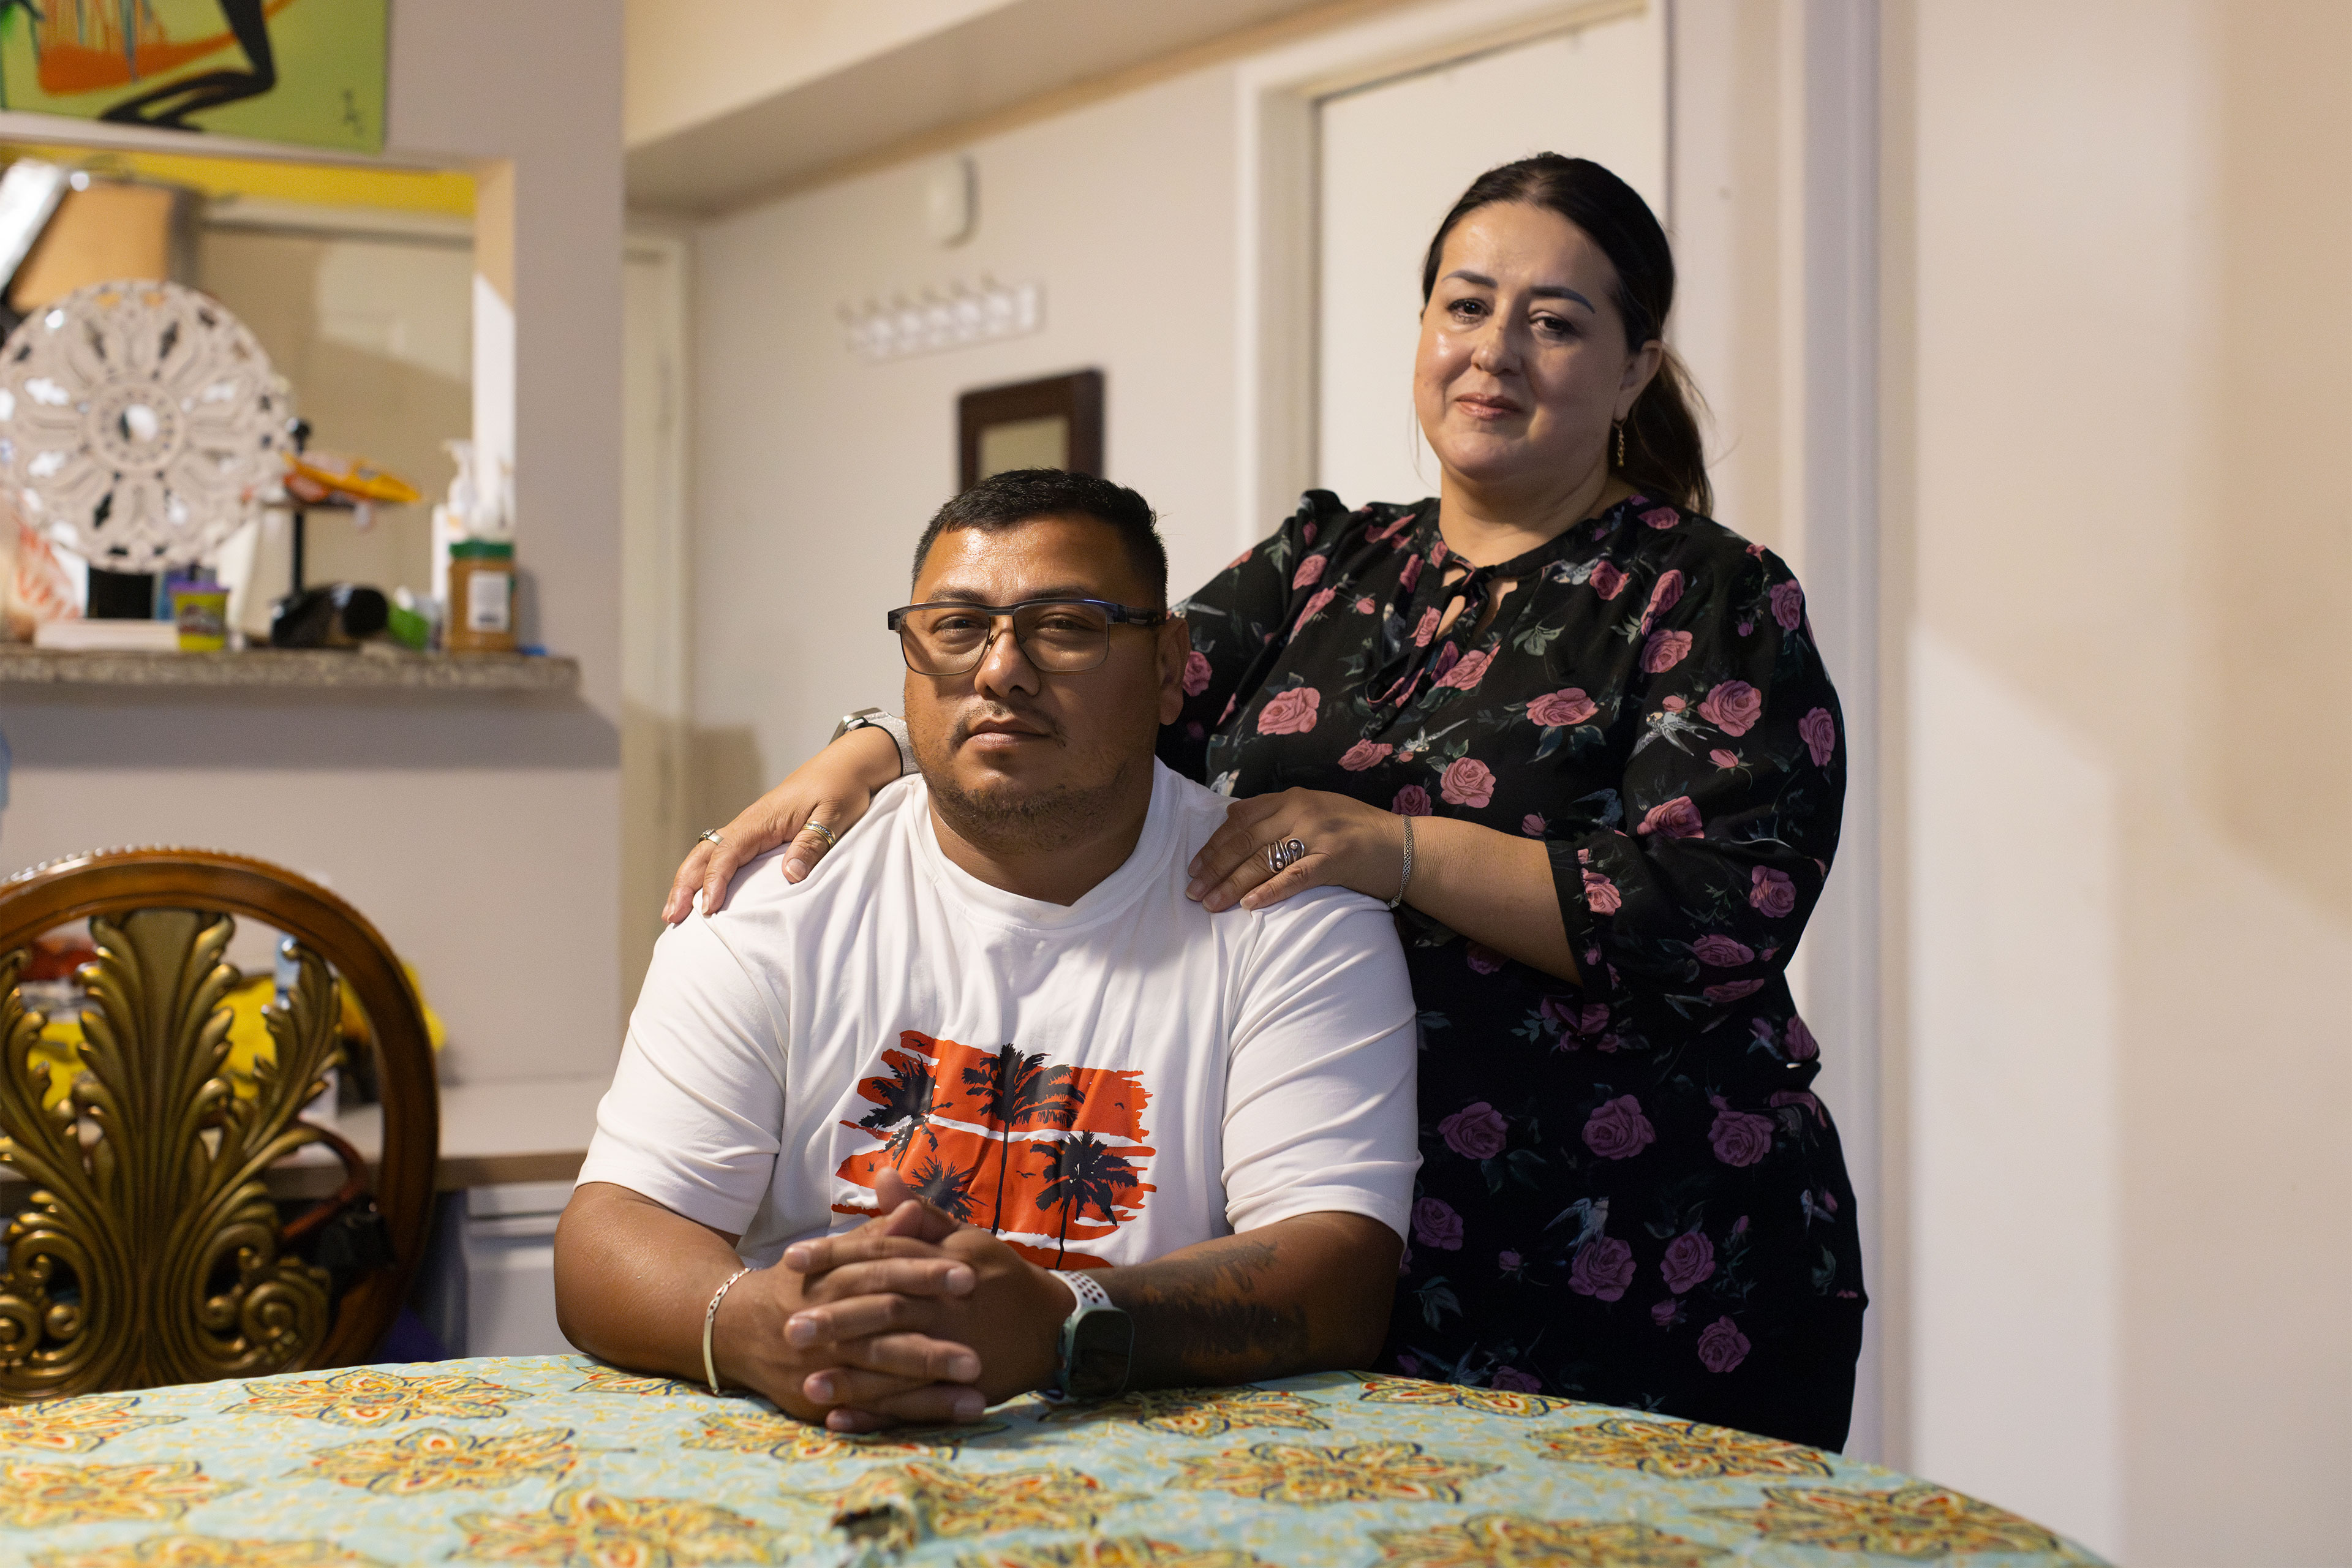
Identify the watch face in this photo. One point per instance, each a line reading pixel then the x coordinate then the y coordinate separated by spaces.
pixel 1101 1343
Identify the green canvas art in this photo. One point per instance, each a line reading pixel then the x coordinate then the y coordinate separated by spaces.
pixel 309 72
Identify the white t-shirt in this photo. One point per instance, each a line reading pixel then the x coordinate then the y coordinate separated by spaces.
pixel 1160 1074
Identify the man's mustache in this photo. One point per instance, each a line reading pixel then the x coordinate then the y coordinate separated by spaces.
pixel 1020 718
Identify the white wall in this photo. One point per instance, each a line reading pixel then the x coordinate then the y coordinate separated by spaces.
pixel 816 471
pixel 2118 401
pixel 481 836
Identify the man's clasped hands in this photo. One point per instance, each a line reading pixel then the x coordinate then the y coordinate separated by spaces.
pixel 913 1317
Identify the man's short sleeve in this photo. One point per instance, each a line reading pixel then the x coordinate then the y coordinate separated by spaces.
pixel 691 1120
pixel 1319 1099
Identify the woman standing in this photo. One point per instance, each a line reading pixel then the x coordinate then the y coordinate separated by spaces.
pixel 1588 731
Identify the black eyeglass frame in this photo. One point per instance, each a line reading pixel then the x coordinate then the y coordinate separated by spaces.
pixel 1118 615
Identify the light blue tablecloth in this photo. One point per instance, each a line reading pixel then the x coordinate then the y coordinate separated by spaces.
pixel 560 1460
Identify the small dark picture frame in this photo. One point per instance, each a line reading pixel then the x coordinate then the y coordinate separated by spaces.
pixel 1057 422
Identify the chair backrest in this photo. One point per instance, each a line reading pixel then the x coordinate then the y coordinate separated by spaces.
pixel 151 1249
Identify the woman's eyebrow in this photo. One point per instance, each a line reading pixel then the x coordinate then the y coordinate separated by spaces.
pixel 1541 290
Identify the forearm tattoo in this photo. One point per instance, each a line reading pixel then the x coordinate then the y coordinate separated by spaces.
pixel 1207 1319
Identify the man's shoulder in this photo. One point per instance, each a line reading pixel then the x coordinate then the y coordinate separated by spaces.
pixel 761 893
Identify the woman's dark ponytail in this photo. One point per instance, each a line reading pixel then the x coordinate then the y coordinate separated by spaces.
pixel 1664 457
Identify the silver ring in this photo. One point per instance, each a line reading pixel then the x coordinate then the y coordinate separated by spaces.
pixel 1280 857
pixel 713 834
pixel 814 825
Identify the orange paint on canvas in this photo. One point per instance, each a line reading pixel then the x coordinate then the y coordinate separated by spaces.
pixel 88 59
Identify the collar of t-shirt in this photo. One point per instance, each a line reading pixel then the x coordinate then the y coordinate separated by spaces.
pixel 986 902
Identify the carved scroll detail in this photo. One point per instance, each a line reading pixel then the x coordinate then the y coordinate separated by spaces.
pixel 149 1252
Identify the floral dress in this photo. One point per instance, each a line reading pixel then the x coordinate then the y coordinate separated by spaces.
pixel 1628 1191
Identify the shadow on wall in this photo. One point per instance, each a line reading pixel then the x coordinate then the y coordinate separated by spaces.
pixel 297 731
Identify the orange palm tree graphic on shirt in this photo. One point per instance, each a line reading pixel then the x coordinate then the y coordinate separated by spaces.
pixel 1083 1173
pixel 1018 1088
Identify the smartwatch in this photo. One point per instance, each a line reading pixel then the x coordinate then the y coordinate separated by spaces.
pixel 890 724
pixel 1098 1344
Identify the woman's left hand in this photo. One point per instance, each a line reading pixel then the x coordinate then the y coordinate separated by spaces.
pixel 1348 845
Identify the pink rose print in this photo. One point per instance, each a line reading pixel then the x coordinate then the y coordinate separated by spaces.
pixel 1309 571
pixel 1721 1345
pixel 1672 704
pixel 1592 1020
pixel 1434 1224
pixel 1467 782
pixel 1663 651
pixel 1788 604
pixel 1465 674
pixel 1757 550
pixel 1665 596
pixel 1315 606
pixel 1819 731
pixel 1239 559
pixel 1723 759
pixel 1739 1137
pixel 1606 580
pixel 1720 951
pixel 1410 576
pixel 1513 1381
pixel 1196 674
pixel 1662 517
pixel 1437 554
pixel 1482 959
pixel 1427 629
pixel 1600 894
pixel 1618 1130
pixel 1733 707
pixel 1411 801
pixel 1364 606
pixel 1532 824
pixel 1690 1261
pixel 1291 713
pixel 1508 1262
pixel 1746 627
pixel 1229 708
pixel 1602 1269
pixel 1308 533
pixel 1476 1132
pixel 1569 705
pixel 1771 891
pixel 1677 818
pixel 1666 1313
pixel 1365 754
pixel 1447 658
pixel 1801 1046
pixel 1732 990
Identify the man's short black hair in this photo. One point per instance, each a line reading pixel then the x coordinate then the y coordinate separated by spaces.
pixel 1022 495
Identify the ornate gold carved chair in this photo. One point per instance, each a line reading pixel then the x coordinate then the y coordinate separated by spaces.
pixel 149 1250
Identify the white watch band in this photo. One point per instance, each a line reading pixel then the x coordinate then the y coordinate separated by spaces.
pixel 1085 1288
pixel 890 724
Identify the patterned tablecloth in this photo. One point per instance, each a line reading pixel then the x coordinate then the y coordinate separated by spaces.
pixel 558 1459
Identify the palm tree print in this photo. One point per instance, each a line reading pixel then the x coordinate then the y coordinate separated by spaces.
pixel 1083 1173
pixel 1020 1090
pixel 906 1106
pixel 949 1186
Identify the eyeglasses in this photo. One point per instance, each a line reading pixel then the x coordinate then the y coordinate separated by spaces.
pixel 1061 636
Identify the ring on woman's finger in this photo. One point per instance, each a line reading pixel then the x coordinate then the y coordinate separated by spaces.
pixel 821 830
pixel 1279 857
pixel 711 836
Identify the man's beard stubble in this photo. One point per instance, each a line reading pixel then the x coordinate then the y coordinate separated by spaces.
pixel 1006 818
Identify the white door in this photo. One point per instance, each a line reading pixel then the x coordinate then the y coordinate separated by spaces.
pixel 1394 157
pixel 654 832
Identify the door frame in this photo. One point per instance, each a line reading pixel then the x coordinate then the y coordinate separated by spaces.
pixel 1822 78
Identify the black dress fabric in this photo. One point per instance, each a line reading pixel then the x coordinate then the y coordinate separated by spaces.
pixel 1628 1192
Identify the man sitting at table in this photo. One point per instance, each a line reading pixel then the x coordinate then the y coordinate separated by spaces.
pixel 1159 1146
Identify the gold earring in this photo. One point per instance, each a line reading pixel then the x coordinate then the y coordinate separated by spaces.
pixel 1620 426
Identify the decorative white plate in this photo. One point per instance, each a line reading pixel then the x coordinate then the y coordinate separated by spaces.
pixel 141 422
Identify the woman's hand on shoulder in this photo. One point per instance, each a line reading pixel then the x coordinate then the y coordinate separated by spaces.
pixel 834 788
pixel 1348 845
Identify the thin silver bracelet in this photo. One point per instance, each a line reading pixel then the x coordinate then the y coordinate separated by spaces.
pixel 710 1316
pixel 1405 880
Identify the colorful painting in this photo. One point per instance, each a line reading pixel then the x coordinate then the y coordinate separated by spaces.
pixel 310 72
